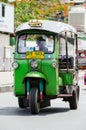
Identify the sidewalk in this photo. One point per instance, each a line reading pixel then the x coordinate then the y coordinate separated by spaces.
pixel 6 81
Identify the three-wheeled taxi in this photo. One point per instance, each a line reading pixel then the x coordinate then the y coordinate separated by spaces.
pixel 45 64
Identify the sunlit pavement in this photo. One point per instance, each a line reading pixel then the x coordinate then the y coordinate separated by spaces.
pixel 81 78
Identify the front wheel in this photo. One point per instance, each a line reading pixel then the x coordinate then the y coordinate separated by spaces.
pixel 34 101
pixel 73 101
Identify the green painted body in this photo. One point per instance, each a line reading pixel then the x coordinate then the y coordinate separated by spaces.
pixel 66 77
pixel 45 71
pixel 52 76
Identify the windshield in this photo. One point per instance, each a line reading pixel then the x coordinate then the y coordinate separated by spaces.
pixel 35 42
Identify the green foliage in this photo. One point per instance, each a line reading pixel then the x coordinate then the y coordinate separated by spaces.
pixel 36 9
pixel 4 1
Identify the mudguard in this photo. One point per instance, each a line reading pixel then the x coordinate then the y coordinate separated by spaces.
pixel 35 74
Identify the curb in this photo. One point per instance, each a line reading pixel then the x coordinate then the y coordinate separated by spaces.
pixel 7 88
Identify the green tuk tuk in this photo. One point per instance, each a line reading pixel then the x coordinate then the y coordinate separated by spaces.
pixel 45 64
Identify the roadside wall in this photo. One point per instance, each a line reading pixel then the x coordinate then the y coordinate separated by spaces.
pixel 6 53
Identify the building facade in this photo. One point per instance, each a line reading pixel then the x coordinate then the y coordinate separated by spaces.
pixel 6 29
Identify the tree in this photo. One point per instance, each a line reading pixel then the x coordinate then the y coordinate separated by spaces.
pixel 37 9
pixel 4 1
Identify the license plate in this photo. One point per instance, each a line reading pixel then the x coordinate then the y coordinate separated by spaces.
pixel 35 55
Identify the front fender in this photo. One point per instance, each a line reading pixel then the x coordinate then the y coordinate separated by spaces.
pixel 35 74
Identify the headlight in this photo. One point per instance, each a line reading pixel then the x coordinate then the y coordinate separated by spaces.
pixel 34 63
pixel 15 65
pixel 54 64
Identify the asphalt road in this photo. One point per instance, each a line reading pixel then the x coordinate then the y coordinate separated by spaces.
pixel 56 117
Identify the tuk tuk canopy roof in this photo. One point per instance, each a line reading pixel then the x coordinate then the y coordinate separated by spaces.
pixel 47 25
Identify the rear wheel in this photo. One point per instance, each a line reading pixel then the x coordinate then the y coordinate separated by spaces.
pixel 21 102
pixel 34 101
pixel 73 101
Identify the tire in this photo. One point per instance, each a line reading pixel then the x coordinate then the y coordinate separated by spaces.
pixel 34 101
pixel 73 101
pixel 21 102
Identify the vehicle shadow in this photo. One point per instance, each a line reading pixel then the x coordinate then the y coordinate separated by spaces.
pixel 53 110
pixel 15 111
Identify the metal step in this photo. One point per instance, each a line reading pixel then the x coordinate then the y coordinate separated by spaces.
pixel 64 95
